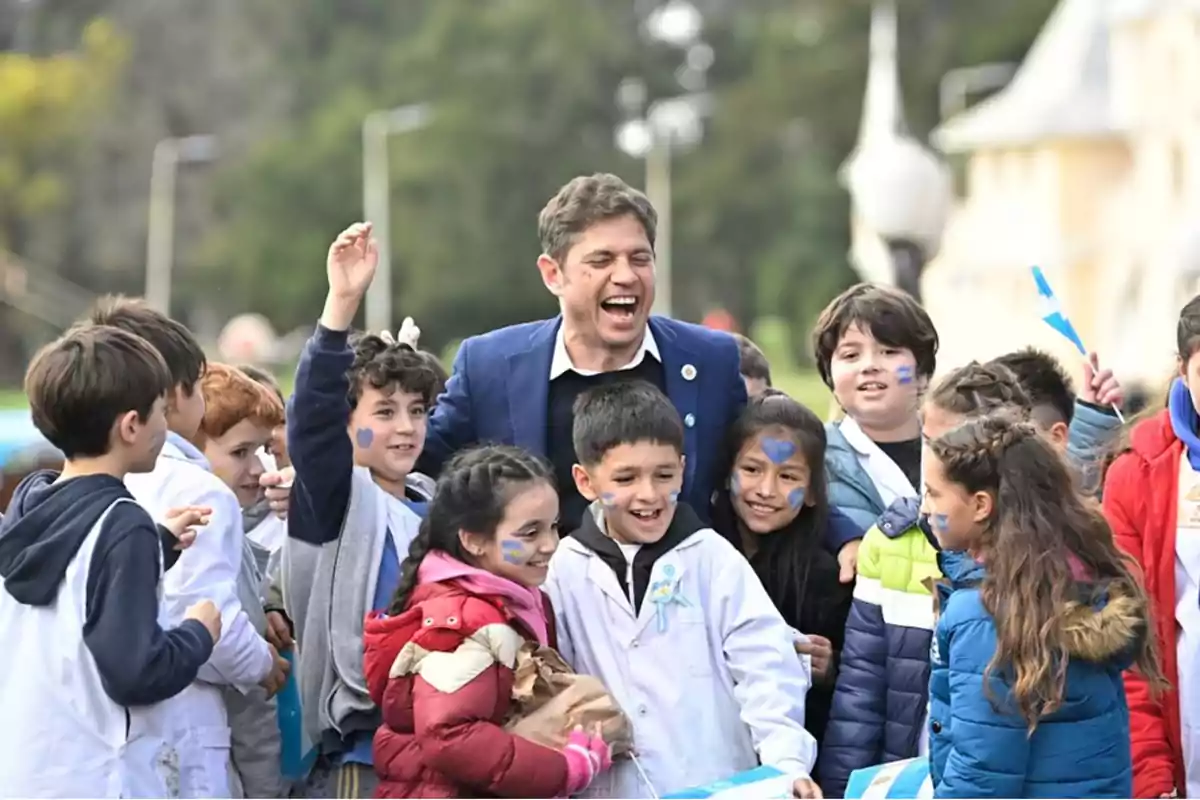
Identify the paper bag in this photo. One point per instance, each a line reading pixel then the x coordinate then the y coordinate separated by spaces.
pixel 549 700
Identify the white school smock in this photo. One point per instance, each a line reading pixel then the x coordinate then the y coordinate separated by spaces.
pixel 708 694
pixel 60 733
pixel 1187 617
pixel 208 570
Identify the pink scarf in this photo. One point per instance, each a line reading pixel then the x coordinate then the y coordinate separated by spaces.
pixel 524 602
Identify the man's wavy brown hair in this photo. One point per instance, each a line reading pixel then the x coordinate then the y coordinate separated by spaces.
pixel 1038 521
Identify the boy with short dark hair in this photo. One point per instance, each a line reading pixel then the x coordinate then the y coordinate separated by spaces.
pixel 1085 425
pixel 182 476
pixel 81 563
pixel 644 583
pixel 356 427
pixel 876 349
pixel 755 369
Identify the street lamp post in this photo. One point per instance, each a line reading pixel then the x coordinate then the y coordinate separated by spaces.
pixel 667 125
pixel 901 191
pixel 160 236
pixel 377 127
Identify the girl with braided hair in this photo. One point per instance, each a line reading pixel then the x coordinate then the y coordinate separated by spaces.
pixel 879 708
pixel 439 663
pixel 1040 614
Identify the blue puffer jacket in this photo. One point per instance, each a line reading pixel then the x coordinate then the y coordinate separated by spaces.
pixel 851 490
pixel 979 747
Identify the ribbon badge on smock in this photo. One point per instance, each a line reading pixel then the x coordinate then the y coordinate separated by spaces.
pixel 664 593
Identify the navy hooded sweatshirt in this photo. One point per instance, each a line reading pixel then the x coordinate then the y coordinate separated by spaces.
pixel 47 522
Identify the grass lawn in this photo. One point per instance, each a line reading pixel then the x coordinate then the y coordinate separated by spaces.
pixel 12 398
pixel 805 386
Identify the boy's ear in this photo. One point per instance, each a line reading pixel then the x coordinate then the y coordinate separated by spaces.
pixel 127 427
pixel 583 482
pixel 1059 433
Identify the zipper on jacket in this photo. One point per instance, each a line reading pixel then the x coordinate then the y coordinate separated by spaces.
pixel 128 724
pixel 629 585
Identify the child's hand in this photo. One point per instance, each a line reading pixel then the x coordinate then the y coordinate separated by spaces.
pixel 278 489
pixel 806 787
pixel 820 650
pixel 277 677
pixel 1100 387
pixel 351 263
pixel 587 756
pixel 184 522
pixel 279 633
pixel 207 615
pixel 848 561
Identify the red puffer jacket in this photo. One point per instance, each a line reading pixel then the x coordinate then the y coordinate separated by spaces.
pixel 442 675
pixel 1141 505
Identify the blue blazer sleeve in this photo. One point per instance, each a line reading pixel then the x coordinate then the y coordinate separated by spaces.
pixel 451 425
pixel 1093 431
pixel 989 750
pixel 854 735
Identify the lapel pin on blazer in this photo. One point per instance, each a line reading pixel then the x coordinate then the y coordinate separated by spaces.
pixel 688 372
pixel 689 420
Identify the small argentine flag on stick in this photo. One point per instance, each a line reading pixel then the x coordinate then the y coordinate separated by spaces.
pixel 1054 316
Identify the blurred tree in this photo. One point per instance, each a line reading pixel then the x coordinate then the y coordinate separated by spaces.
pixel 524 92
pixel 45 106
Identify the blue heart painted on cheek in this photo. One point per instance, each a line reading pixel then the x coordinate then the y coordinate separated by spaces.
pixel 904 374
pixel 796 497
pixel 939 522
pixel 364 437
pixel 778 450
pixel 608 499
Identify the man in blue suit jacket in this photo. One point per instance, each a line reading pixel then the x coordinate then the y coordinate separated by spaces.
pixel 517 385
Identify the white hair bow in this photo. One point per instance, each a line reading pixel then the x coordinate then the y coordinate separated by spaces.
pixel 409 334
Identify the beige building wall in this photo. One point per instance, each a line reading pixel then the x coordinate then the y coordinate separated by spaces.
pixel 1110 212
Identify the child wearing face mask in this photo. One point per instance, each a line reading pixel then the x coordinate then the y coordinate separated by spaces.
pixel 240 416
pixel 775 510
pixel 668 616
pixel 1040 614
pixel 440 662
pixel 356 425
pixel 876 349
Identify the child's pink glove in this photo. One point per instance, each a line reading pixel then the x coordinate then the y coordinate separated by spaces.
pixel 587 756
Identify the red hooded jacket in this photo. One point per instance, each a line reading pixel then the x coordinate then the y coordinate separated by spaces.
pixel 442 674
pixel 1141 504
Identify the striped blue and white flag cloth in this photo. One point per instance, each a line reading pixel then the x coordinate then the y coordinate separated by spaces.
pixel 898 780
pixel 1052 311
pixel 757 784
